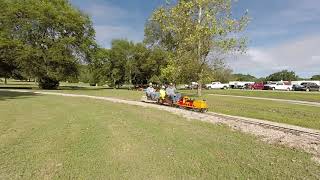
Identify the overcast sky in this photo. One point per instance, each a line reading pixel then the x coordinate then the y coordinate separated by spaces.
pixel 283 34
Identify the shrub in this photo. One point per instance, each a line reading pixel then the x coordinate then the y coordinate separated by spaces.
pixel 48 83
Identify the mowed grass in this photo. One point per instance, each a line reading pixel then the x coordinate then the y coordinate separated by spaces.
pixel 52 137
pixel 300 115
pixel 292 95
pixel 282 112
pixel 116 93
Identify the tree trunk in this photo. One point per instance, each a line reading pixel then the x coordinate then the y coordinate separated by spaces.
pixel 199 88
pixel 130 79
pixel 199 54
pixel 5 80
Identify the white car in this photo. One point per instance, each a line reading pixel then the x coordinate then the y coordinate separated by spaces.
pixel 278 86
pixel 217 85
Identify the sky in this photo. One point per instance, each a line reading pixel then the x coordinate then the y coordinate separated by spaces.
pixel 283 34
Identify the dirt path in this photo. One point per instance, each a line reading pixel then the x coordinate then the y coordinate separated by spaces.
pixel 306 103
pixel 303 142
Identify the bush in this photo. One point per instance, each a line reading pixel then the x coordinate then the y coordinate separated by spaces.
pixel 48 83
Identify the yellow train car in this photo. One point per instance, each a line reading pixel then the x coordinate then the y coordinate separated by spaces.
pixel 198 105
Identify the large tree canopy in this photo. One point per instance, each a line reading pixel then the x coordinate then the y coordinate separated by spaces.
pixel 284 75
pixel 196 32
pixel 51 38
pixel 315 77
pixel 244 77
pixel 126 62
pixel 134 63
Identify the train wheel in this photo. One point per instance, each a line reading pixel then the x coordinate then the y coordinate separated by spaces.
pixel 203 110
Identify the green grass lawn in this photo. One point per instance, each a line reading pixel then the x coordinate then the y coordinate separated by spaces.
pixel 117 93
pixel 52 137
pixel 300 115
pixel 301 96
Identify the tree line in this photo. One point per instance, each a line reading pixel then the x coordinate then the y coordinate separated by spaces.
pixel 52 41
pixel 125 63
pixel 284 75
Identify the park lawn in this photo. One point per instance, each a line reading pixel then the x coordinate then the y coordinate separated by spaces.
pixel 292 95
pixel 300 115
pixel 282 112
pixel 116 93
pixel 16 84
pixel 101 91
pixel 52 137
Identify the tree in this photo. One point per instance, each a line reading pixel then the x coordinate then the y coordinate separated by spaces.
pixel 134 63
pixel 55 38
pixel 221 72
pixel 244 77
pixel 284 75
pixel 120 68
pixel 316 77
pixel 99 67
pixel 8 65
pixel 191 30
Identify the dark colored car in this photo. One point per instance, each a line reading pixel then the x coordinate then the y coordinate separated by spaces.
pixel 257 85
pixel 307 86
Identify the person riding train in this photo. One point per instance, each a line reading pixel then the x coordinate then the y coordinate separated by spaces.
pixel 151 92
pixel 171 92
pixel 162 92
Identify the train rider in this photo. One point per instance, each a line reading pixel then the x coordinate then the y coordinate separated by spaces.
pixel 162 92
pixel 151 92
pixel 171 92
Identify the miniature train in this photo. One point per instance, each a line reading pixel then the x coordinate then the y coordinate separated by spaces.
pixel 184 102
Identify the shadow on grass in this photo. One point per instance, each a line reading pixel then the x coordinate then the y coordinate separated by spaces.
pixel 16 87
pixel 81 88
pixel 90 88
pixel 5 95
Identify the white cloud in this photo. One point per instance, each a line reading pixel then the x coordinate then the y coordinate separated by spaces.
pixel 106 12
pixel 111 21
pixel 300 55
pixel 105 34
pixel 291 17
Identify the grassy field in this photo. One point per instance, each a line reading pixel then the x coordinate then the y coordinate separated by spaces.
pixel 300 115
pixel 292 95
pixel 52 137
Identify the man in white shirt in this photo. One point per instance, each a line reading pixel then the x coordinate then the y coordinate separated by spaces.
pixel 150 91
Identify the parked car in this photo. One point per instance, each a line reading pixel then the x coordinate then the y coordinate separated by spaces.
pixel 278 86
pixel 239 84
pixel 217 85
pixel 307 86
pixel 192 85
pixel 255 86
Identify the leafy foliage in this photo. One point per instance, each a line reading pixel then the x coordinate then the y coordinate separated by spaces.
pixel 191 30
pixel 316 77
pixel 284 75
pixel 51 37
pixel 244 77
pixel 127 62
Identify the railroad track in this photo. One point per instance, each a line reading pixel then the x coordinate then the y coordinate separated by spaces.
pixel 268 125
